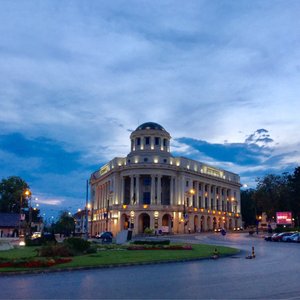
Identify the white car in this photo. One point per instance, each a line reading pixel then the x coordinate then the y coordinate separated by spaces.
pixel 290 238
pixel 296 237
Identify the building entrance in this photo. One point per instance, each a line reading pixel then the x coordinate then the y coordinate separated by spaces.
pixel 144 222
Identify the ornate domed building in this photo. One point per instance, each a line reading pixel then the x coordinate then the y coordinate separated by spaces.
pixel 150 188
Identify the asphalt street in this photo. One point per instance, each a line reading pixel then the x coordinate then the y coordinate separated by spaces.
pixel 273 274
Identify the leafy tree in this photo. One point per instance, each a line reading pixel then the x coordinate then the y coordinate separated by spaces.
pixel 11 190
pixel 248 207
pixel 294 196
pixel 65 224
pixel 271 194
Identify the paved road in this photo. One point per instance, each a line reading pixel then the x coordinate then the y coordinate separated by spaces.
pixel 274 274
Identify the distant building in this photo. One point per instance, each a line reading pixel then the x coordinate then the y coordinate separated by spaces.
pixel 9 224
pixel 80 222
pixel 150 188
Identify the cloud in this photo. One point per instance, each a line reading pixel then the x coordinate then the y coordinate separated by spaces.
pixel 257 156
pixel 77 77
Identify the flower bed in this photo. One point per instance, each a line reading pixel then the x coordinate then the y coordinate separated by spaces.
pixel 34 263
pixel 165 247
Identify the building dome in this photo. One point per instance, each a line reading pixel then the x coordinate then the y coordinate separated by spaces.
pixel 150 125
pixel 149 141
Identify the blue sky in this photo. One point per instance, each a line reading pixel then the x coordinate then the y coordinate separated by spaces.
pixel 77 76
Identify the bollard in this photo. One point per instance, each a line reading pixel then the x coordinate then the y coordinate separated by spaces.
pixel 253 253
pixel 215 254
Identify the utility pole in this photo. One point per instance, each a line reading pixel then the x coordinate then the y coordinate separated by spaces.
pixel 87 211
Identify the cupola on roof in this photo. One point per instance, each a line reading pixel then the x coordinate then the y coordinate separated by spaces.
pixel 150 125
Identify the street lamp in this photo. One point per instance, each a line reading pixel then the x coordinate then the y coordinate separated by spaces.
pixel 26 193
pixel 107 211
pixel 188 193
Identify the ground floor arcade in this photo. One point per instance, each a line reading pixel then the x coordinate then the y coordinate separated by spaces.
pixel 169 222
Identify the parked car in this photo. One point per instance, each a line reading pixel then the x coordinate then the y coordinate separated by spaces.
pixel 280 236
pixel 105 236
pixel 296 237
pixel 238 228
pixel 289 238
pixel 270 237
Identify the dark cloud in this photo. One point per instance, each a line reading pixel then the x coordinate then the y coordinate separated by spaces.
pixel 259 136
pixel 237 153
pixel 51 155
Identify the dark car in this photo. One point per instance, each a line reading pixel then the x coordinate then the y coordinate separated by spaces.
pixel 270 237
pixel 279 237
pixel 105 236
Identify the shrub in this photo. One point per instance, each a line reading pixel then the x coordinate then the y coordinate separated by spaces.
pixel 77 244
pixel 55 250
pixel 286 229
pixel 153 243
pixel 148 231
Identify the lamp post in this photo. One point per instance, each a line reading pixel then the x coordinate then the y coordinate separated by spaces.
pixel 25 193
pixel 106 214
pixel 188 193
pixel 87 211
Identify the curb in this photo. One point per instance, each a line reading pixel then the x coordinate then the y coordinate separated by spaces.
pixel 57 270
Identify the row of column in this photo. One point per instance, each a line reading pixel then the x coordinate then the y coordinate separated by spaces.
pixel 206 194
pixel 102 196
pixel 155 189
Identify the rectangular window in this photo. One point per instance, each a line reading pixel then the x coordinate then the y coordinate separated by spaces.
pixel 147 181
pixel 157 141
pixel 147 140
pixel 165 142
pixel 146 198
pixel 187 184
pixel 138 141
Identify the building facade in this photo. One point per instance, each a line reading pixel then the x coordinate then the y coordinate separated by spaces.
pixel 150 188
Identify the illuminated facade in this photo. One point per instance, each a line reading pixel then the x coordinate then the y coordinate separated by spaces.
pixel 150 188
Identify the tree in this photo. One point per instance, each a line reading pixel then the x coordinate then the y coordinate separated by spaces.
pixel 248 207
pixel 11 190
pixel 271 194
pixel 65 224
pixel 294 196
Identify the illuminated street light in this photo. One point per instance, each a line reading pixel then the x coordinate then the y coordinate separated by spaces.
pixel 188 193
pixel 25 193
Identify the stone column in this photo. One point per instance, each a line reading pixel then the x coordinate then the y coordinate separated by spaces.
pixel 182 186
pixel 209 196
pixel 152 189
pixel 137 192
pixel 202 194
pixel 122 190
pixel 101 196
pixel 175 200
pixel 197 193
pixel 131 190
pixel 238 203
pixel 213 196
pixel 159 189
pixel 171 190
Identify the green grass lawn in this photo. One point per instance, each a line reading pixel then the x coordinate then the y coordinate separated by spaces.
pixel 116 257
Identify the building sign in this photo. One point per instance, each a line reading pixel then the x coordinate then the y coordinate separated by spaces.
pixel 284 218
pixel 212 171
pixel 104 169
